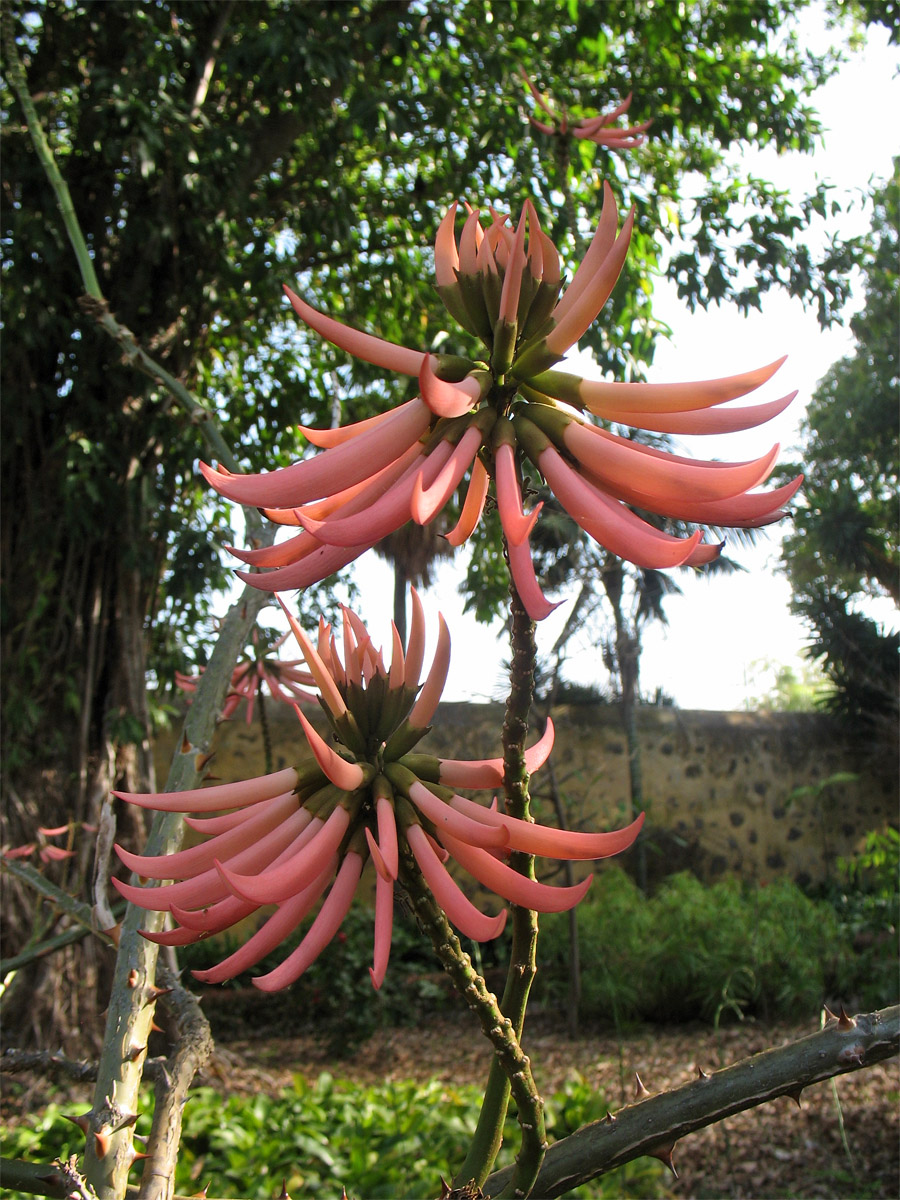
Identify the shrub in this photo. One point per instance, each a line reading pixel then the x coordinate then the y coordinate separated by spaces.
pixel 694 951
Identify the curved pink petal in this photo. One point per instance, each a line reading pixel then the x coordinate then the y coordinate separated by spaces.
pixel 415 646
pixel 223 795
pixel 387 835
pixel 426 503
pixel 348 776
pixel 460 910
pixel 361 345
pixel 349 500
pixel 384 928
pixel 488 772
pixel 314 567
pixel 444 818
pixel 609 522
pixel 701 421
pixel 182 864
pixel 448 399
pixel 277 884
pixel 521 568
pixel 429 697
pixel 330 470
pixel 620 467
pixel 598 396
pixel 549 842
pixel 516 525
pixel 272 932
pixel 326 438
pixel 446 256
pixel 512 886
pixel 387 513
pixel 569 328
pixel 473 506
pixel 602 243
pixel 324 927
pixel 331 695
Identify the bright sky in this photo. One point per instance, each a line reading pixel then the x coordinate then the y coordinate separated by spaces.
pixel 719 629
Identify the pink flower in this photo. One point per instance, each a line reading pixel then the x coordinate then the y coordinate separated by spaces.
pixel 593 129
pixel 286 838
pixel 487 417
pixel 285 680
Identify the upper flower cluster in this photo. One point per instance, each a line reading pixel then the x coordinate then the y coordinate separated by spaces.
pixel 365 795
pixel 488 415
pixel 599 129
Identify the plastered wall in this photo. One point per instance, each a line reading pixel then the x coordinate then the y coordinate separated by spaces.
pixel 721 789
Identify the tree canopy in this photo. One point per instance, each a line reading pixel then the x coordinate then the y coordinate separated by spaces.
pixel 214 150
pixel 843 551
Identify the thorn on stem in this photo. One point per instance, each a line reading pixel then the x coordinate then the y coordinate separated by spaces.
pixel 664 1154
pixel 701 1074
pixel 845 1021
pixel 639 1090
pixel 795 1096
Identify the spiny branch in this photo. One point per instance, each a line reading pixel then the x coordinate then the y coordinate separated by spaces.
pixel 653 1125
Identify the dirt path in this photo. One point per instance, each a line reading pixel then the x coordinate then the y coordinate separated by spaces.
pixel 774 1152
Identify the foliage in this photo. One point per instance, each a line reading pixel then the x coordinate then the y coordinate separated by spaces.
pixel 695 952
pixel 788 688
pixel 866 900
pixel 193 138
pixel 844 553
pixel 392 1139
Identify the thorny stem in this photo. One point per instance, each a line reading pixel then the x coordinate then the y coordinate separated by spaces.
pixel 109 1157
pixel 499 1030
pixel 653 1125
pixel 264 728
pixel 523 953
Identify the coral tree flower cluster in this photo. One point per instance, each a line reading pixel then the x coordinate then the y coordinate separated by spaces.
pixel 285 838
pixel 599 129
pixel 486 417
pixel 286 680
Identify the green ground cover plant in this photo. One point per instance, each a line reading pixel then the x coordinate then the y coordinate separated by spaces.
pixel 389 1140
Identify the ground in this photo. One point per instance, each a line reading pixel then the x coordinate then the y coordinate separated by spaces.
pixel 774 1152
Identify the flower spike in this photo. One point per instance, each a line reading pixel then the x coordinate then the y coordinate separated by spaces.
pixel 291 838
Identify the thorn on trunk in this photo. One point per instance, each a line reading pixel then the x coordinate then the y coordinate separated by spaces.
pixel 639 1090
pixel 795 1096
pixel 83 1122
pixel 610 1117
pixel 154 993
pixel 101 1142
pixel 701 1074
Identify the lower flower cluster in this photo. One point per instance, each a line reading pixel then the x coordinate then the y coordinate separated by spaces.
pixel 287 838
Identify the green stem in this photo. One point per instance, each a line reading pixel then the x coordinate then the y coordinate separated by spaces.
pixel 95 303
pixel 508 1055
pixel 523 954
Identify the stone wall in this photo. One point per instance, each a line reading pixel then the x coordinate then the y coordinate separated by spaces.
pixel 721 788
